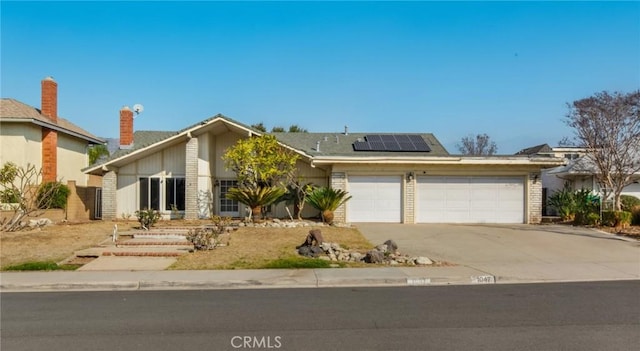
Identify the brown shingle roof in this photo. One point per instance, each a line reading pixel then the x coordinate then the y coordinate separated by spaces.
pixel 12 110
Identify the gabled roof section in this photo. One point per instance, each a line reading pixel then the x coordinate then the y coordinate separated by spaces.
pixel 147 142
pixel 14 111
pixel 340 144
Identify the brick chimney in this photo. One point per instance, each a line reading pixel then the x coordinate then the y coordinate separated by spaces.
pixel 49 108
pixel 49 99
pixel 126 128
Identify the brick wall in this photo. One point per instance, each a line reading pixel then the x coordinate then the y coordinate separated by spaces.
pixel 191 177
pixel 409 201
pixel 49 155
pixel 338 181
pixel 109 188
pixel 535 198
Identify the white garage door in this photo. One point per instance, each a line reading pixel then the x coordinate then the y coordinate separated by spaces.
pixel 375 199
pixel 470 200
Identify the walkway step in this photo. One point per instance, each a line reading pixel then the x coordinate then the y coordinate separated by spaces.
pixel 161 243
pixel 144 254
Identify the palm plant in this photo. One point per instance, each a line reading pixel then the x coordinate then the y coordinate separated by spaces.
pixel 326 200
pixel 256 197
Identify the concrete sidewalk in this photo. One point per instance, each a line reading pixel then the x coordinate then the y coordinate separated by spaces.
pixel 282 278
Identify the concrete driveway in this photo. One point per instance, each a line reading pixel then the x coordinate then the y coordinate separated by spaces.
pixel 517 252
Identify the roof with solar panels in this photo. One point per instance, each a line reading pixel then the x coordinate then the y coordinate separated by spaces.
pixel 364 144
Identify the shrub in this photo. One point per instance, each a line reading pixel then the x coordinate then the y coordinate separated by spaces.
pixel 635 215
pixel 9 196
pixel 53 195
pixel 592 219
pixel 206 238
pixel 147 218
pixel 616 218
pixel 564 202
pixel 629 202
pixel 327 200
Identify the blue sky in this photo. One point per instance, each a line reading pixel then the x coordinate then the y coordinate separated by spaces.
pixel 450 68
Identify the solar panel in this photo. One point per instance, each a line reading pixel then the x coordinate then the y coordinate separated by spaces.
pixel 392 146
pixel 361 146
pixel 407 146
pixel 377 146
pixel 392 142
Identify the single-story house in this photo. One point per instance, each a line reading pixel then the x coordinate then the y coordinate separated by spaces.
pixel 578 172
pixel 392 177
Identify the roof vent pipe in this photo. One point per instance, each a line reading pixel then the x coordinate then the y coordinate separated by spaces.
pixel 318 146
pixel 346 130
pixel 337 139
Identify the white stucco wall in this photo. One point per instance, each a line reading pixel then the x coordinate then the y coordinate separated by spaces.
pixel 20 143
pixel 72 158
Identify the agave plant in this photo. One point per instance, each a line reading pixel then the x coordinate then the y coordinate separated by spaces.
pixel 326 200
pixel 256 197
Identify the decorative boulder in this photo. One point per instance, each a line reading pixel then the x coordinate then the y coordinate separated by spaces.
pixel 391 246
pixel 374 256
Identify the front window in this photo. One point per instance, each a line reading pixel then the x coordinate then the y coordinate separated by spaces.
pixel 227 205
pixel 152 195
pixel 174 193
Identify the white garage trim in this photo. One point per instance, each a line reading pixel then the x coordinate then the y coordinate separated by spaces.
pixel 375 199
pixel 458 199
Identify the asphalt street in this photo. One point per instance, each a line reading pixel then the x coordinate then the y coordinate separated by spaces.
pixel 554 316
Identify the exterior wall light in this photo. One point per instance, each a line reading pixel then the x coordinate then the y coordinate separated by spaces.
pixel 410 176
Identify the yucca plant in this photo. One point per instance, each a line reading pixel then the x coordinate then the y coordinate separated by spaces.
pixel 256 197
pixel 327 200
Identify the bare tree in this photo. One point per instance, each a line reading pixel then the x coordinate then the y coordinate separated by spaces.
pixel 478 145
pixel 608 125
pixel 21 187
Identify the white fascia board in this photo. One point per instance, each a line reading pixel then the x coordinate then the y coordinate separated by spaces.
pixel 440 160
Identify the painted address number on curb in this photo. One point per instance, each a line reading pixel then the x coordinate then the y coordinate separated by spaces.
pixel 483 279
pixel 418 281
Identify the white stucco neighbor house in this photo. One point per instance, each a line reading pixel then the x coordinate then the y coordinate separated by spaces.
pixel 393 177
pixel 578 172
pixel 40 137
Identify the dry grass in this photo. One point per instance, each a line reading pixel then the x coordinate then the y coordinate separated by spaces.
pixel 249 247
pixel 53 243
pixel 255 247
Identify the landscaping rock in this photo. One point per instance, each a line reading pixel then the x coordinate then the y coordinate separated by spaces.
pixel 391 246
pixel 374 256
pixel 382 248
pixel 423 261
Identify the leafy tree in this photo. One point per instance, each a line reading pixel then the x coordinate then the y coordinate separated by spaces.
pixel 277 129
pixel 260 161
pixel 294 128
pixel 260 127
pixel 478 145
pixel 608 125
pixel 96 152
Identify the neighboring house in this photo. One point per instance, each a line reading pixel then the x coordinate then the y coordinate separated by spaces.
pixel 578 172
pixel 401 178
pixel 40 137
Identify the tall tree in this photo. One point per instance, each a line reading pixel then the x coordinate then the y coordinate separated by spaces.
pixel 259 126
pixel 260 160
pixel 96 152
pixel 478 145
pixel 263 168
pixel 608 125
pixel 294 128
